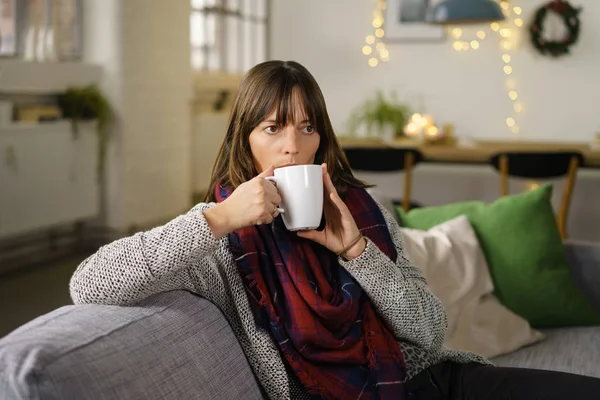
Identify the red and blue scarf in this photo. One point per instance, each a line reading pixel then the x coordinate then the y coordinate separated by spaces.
pixel 321 319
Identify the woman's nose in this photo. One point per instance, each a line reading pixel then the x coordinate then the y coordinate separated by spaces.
pixel 291 145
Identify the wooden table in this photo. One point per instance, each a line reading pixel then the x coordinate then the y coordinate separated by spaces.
pixel 477 152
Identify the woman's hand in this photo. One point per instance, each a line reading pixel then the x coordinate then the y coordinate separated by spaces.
pixel 340 229
pixel 252 203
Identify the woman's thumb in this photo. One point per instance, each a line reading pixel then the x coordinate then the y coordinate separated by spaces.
pixel 267 172
pixel 306 234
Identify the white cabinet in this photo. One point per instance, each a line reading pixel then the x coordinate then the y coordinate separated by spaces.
pixel 47 176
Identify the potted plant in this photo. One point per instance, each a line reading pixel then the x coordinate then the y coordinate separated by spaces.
pixel 380 116
pixel 88 104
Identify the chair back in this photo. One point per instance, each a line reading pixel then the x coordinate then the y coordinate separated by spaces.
pixel 541 165
pixel 536 165
pixel 382 159
pixel 387 160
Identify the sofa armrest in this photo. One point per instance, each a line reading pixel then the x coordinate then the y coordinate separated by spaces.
pixel 173 345
pixel 584 261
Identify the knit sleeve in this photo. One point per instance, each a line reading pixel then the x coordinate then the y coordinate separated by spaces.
pixel 133 268
pixel 400 293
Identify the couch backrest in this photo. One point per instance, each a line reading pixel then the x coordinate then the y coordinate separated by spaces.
pixel 584 260
pixel 174 345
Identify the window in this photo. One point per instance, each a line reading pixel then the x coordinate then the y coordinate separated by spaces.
pixel 228 36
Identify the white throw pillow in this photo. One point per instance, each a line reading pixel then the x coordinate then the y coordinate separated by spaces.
pixel 454 265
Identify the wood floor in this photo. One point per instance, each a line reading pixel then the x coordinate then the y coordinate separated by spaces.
pixel 28 294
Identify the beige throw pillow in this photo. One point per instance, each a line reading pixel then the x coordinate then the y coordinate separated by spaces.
pixel 457 273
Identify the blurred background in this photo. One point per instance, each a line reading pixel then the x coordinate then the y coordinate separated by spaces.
pixel 112 111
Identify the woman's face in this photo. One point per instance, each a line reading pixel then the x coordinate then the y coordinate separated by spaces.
pixel 296 143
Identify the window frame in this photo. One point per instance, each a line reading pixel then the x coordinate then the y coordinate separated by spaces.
pixel 221 11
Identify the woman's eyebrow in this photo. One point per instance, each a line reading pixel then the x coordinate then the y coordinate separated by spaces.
pixel 272 121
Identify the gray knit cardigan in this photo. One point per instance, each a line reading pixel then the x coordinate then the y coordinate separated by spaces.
pixel 184 254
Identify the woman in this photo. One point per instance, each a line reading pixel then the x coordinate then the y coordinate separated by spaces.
pixel 335 313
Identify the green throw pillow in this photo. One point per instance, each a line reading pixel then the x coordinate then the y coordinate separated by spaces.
pixel 525 254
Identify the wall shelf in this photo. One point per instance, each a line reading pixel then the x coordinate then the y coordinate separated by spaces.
pixel 45 78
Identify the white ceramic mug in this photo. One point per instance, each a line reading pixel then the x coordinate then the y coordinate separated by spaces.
pixel 301 190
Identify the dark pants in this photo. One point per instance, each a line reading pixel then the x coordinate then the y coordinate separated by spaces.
pixel 452 381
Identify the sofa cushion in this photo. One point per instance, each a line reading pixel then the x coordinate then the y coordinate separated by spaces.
pixel 524 251
pixel 575 350
pixel 455 269
pixel 174 345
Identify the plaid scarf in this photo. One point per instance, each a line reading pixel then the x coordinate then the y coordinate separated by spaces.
pixel 322 321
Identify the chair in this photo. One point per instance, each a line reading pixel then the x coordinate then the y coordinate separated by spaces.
pixel 541 165
pixel 387 160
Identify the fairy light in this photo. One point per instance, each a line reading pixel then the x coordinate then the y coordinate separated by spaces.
pixel 466 44
pixel 456 33
pixel 507 31
pixel 507 42
pixel 380 53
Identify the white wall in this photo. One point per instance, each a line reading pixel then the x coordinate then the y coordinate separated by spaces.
pixel 560 97
pixel 144 47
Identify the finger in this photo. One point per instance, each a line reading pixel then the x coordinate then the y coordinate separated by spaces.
pixel 339 203
pixel 270 213
pixel 273 212
pixel 267 172
pixel 333 194
pixel 273 196
pixel 312 234
pixel 328 182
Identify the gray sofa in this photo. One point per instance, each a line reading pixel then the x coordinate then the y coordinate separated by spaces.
pixel 176 345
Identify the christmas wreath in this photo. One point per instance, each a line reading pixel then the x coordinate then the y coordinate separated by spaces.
pixel 569 15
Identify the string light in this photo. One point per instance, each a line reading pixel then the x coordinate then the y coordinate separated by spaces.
pixel 463 44
pixel 507 31
pixel 508 42
pixel 380 53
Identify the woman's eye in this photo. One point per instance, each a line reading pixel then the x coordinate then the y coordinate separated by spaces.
pixel 271 129
pixel 309 129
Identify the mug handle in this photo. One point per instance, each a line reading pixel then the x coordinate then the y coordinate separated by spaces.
pixel 273 179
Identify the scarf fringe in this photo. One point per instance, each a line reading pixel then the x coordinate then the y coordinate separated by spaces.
pixel 312 386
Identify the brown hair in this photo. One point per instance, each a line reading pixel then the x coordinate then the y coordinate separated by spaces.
pixel 271 86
